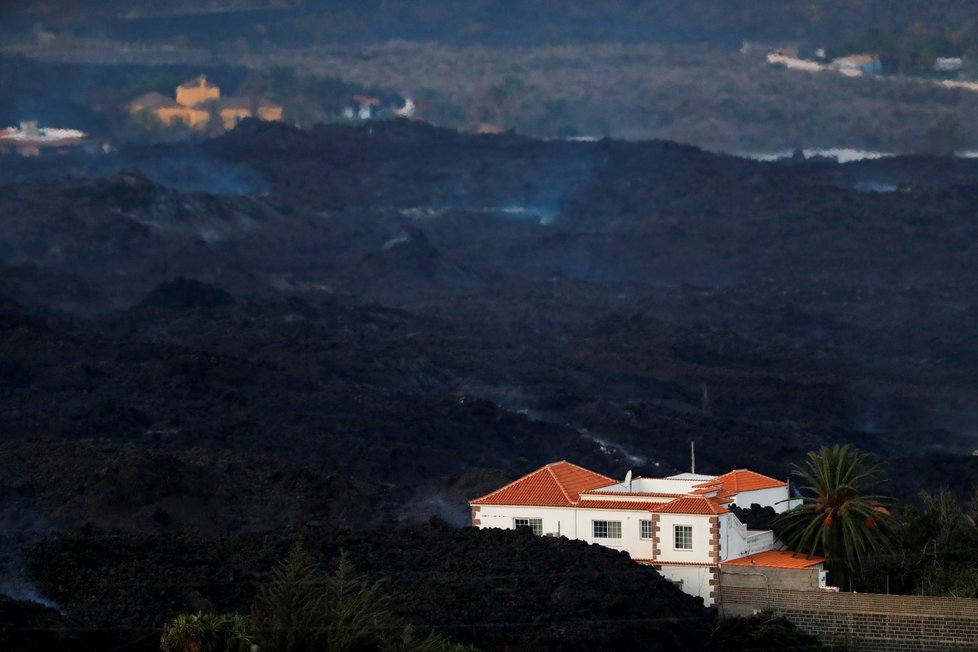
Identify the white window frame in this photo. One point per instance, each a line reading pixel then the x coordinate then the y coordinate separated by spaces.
pixel 643 533
pixel 606 530
pixel 535 524
pixel 676 539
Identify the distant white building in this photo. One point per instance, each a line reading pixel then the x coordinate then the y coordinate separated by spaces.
pixel 681 524
pixel 948 64
pixel 858 64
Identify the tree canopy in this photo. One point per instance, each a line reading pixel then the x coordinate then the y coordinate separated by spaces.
pixel 839 517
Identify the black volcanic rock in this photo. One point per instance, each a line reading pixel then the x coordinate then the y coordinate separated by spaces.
pixel 405 265
pixel 423 316
pixel 755 517
pixel 182 293
pixel 496 589
pixel 28 626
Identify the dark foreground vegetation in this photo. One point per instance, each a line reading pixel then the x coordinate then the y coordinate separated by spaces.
pixel 381 323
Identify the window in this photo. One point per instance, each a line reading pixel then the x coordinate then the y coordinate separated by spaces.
pixel 683 537
pixel 607 529
pixel 535 524
pixel 645 529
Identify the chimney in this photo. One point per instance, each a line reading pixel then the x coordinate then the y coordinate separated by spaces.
pixel 692 457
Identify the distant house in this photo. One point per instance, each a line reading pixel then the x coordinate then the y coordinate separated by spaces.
pixel 196 91
pixel 948 64
pixel 198 102
pixel 363 106
pixel 681 525
pixel 168 111
pixel 486 128
pixel 31 140
pixel 858 64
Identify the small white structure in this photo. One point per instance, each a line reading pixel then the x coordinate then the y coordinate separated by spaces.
pixel 681 524
pixel 29 140
pixel 855 65
pixel 794 63
pixel 406 111
pixel 948 64
pixel 365 106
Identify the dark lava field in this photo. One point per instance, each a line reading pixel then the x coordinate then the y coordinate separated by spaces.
pixel 359 329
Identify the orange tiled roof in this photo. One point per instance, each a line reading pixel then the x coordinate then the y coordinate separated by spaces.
pixel 777 559
pixel 741 480
pixel 555 485
pixel 658 494
pixel 691 505
pixel 619 504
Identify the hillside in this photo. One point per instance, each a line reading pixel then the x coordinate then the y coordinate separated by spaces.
pixel 398 318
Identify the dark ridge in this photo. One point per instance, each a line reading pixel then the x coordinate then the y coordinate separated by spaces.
pixel 183 294
pixel 26 626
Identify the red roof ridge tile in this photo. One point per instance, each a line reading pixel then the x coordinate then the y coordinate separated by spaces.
pixel 738 480
pixel 690 504
pixel 557 480
pixel 557 484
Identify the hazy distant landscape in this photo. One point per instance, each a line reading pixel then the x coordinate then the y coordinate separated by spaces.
pixel 481 238
pixel 660 70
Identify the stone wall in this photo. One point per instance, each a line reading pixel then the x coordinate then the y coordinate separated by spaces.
pixel 859 621
pixel 754 577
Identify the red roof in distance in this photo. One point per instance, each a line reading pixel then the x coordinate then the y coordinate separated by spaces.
pixel 363 99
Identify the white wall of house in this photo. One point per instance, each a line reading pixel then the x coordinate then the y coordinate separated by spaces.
pixel 556 520
pixel 734 538
pixel 737 541
pixel 578 523
pixel 630 541
pixel 776 497
pixel 695 580
pixel 701 549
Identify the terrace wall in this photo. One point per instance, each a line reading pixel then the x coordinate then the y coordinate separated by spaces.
pixel 858 621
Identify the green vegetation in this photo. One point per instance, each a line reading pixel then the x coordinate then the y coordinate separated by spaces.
pixel 839 518
pixel 935 551
pixel 303 609
pixel 207 633
pixel 288 612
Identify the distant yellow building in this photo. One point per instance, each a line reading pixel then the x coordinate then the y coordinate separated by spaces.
pixel 198 101
pixel 196 91
pixel 169 112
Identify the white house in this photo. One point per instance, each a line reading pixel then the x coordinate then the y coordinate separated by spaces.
pixel 681 524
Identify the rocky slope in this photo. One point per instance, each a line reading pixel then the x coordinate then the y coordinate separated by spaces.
pixel 404 318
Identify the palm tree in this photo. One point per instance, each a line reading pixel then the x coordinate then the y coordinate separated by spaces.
pixel 839 519
pixel 207 633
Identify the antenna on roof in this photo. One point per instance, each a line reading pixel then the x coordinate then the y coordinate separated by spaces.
pixel 692 457
pixel 628 480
